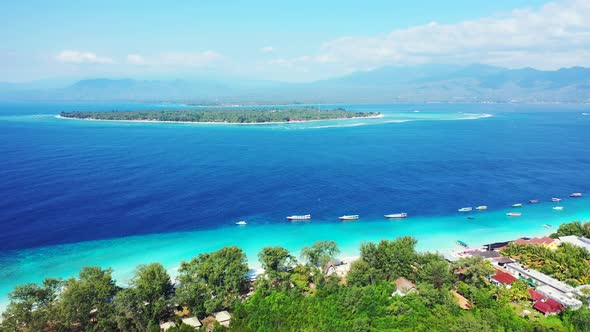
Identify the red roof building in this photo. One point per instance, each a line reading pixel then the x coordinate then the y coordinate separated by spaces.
pixel 503 278
pixel 548 307
pixel 545 240
pixel 535 296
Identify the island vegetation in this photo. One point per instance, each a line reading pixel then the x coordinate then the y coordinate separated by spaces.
pixel 234 115
pixel 291 295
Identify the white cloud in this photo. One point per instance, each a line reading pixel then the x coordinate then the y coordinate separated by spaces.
pixel 267 49
pixel 135 59
pixel 72 56
pixel 554 35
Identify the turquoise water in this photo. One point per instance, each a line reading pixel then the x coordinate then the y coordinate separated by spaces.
pixel 78 193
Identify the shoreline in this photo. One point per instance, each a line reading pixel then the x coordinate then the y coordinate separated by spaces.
pixel 224 123
pixel 434 234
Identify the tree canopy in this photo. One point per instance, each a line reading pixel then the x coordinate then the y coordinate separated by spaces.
pixel 233 115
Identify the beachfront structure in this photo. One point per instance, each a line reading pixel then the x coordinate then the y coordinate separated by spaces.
pixel 565 299
pixel 486 254
pixel 192 321
pixel 543 241
pixel 404 287
pixel 502 279
pixel 519 270
pixel 577 241
pixel 546 285
pixel 502 261
pixel 223 317
pixel 166 325
pixel 548 307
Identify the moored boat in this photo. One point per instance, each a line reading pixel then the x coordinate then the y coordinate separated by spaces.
pixel 514 214
pixel 517 205
pixel 555 199
pixel 241 223
pixel 349 217
pixel 300 217
pixel 482 207
pixel 534 201
pixel 558 208
pixel 462 244
pixel 576 195
pixel 547 226
pixel 396 215
pixel 465 209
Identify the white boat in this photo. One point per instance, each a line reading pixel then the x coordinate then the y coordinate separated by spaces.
pixel 514 214
pixel 576 195
pixel 517 205
pixel 555 199
pixel 465 209
pixel 482 207
pixel 301 217
pixel 241 222
pixel 349 217
pixel 396 215
pixel 534 201
pixel 558 208
pixel 547 226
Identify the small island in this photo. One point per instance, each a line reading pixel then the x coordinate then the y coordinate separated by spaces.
pixel 230 116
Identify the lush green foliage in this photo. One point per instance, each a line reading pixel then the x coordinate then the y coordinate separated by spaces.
pixel 259 115
pixel 567 262
pixel 320 253
pixel 211 282
pixel 572 228
pixel 293 297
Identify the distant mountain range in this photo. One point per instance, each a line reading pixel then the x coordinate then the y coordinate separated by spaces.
pixel 420 83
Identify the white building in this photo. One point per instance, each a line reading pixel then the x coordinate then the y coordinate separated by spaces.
pixel 567 299
pixel 577 241
pixel 519 270
pixel 223 317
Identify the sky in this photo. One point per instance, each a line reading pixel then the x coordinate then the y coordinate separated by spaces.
pixel 297 41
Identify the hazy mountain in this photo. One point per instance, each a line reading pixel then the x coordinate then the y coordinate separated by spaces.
pixel 419 83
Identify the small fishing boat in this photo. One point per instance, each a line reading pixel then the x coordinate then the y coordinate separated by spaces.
pixel 396 215
pixel 558 208
pixel 555 199
pixel 517 205
pixel 241 223
pixel 462 244
pixel 547 226
pixel 534 201
pixel 465 209
pixel 470 218
pixel 482 207
pixel 514 214
pixel 576 195
pixel 301 217
pixel 349 217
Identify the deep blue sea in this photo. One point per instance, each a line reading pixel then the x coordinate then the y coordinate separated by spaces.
pixel 66 183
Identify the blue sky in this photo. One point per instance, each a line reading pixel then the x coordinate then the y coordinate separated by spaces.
pixel 299 41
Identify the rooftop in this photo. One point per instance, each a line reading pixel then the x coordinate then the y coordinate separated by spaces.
pixel 540 277
pixel 545 240
pixel 534 295
pixel 486 254
pixel 191 321
pixel 222 316
pixel 503 277
pixel 577 241
pixel 563 298
pixel 166 325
